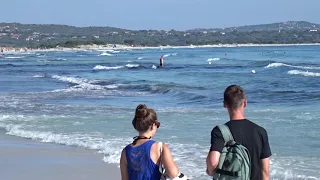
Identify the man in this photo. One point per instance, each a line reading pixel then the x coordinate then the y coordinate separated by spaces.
pixel 161 61
pixel 245 132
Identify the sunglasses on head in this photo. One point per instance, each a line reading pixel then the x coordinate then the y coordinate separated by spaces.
pixel 157 124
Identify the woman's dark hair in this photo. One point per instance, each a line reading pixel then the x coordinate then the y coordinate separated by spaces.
pixel 144 118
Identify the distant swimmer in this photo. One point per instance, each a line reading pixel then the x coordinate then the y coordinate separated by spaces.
pixel 161 61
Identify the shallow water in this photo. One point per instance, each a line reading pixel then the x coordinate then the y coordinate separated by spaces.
pixel 82 99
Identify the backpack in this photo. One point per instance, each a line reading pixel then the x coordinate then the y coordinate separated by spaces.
pixel 234 162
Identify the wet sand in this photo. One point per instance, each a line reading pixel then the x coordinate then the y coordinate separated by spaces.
pixel 25 159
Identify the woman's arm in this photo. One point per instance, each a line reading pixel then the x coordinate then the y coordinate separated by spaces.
pixel 168 162
pixel 123 166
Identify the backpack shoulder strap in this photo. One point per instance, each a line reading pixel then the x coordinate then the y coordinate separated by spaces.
pixel 226 133
pixel 160 147
pixel 161 169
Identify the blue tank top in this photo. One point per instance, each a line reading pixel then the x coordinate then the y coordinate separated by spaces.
pixel 140 165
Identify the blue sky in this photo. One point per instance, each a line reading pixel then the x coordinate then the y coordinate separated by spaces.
pixel 155 14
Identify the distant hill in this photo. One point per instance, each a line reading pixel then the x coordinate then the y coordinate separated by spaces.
pixel 51 35
pixel 289 25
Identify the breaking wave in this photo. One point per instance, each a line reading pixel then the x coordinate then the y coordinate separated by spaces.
pixel 273 65
pixel 304 73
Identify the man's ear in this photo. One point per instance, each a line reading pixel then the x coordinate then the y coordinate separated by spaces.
pixel 244 103
pixel 224 105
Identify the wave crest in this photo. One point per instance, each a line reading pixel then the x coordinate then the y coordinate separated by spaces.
pixel 303 73
pixel 100 67
pixel 273 65
pixel 213 59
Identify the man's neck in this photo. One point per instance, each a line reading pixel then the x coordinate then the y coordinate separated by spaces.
pixel 236 115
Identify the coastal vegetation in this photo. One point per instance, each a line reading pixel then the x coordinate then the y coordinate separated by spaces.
pixel 50 36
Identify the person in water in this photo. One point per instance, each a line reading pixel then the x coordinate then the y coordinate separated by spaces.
pixel 140 160
pixel 161 61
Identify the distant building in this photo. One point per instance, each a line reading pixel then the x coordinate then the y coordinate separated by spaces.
pixel 15 36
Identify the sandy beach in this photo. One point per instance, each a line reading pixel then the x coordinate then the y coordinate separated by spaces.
pixel 31 160
pixel 109 47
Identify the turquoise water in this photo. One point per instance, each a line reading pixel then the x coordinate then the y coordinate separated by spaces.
pixel 82 99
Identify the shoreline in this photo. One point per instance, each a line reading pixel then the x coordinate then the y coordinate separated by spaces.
pixel 110 47
pixel 29 159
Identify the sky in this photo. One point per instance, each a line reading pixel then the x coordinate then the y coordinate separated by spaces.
pixel 159 14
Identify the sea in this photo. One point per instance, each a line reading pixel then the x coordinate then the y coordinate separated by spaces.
pixel 88 98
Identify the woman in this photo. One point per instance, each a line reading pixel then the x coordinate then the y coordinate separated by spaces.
pixel 140 160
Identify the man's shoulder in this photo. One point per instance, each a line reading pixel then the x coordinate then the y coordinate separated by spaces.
pixel 246 124
pixel 215 130
pixel 257 127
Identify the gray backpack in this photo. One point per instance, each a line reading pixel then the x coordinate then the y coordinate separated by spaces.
pixel 234 163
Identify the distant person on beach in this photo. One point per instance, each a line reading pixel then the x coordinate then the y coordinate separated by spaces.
pixel 245 133
pixel 140 160
pixel 161 61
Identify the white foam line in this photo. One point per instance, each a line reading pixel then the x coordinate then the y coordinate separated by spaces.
pixel 100 67
pixel 111 147
pixel 82 83
pixel 273 65
pixel 304 73
pixel 213 59
pixel 132 65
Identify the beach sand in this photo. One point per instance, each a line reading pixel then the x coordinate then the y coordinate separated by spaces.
pixel 25 159
pixel 109 47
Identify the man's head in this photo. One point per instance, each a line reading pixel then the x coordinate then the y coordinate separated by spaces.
pixel 234 98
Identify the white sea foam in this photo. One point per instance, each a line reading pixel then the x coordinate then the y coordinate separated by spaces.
pixel 78 123
pixel 38 76
pixel 105 54
pixel 173 54
pixel 59 59
pixel 139 58
pixel 112 86
pixel 111 147
pixel 189 156
pixel 82 84
pixel 71 79
pixel 304 73
pixel 109 50
pixel 132 65
pixel 213 59
pixel 154 67
pixel 112 51
pixel 274 65
pixel 100 67
pixel 13 57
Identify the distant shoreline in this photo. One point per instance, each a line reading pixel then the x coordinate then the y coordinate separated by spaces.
pixel 10 50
